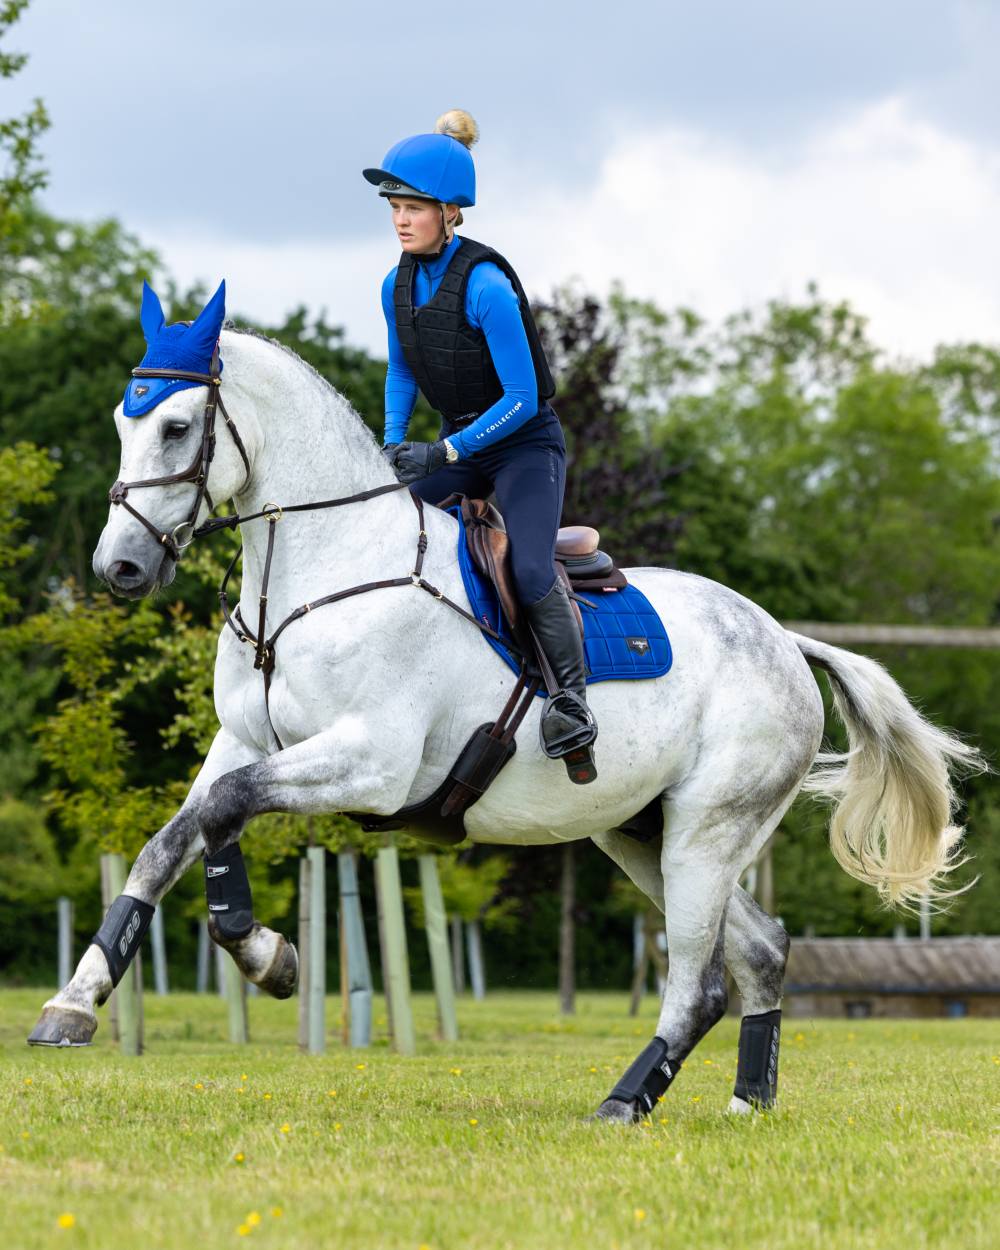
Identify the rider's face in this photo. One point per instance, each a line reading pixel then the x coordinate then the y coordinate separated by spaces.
pixel 418 223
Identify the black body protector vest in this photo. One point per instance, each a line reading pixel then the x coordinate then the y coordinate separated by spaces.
pixel 448 357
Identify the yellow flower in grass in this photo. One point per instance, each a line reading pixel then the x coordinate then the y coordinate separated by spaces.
pixel 243 1230
pixel 337 1127
pixel 66 1220
pixel 29 1080
pixel 198 1085
pixel 639 1214
pixel 360 1067
pixel 277 1213
pixel 473 1122
pixel 253 1218
pixel 286 1128
pixel 455 1071
pixel 331 1093
pixel 239 1157
pixel 267 1097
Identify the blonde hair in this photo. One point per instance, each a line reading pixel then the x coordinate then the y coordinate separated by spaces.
pixel 462 126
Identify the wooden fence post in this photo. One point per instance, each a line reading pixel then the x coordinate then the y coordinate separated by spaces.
pixel 477 971
pixel 567 935
pixel 304 953
pixel 159 946
pixel 359 973
pixel 436 925
pixel 203 970
pixel 64 910
pixel 395 964
pixel 317 949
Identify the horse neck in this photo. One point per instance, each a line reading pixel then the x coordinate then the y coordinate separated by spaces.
pixel 308 445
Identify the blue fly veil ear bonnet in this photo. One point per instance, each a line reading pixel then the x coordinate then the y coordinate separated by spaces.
pixel 436 166
pixel 185 346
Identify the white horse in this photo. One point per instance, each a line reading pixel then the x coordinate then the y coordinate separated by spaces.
pixel 374 697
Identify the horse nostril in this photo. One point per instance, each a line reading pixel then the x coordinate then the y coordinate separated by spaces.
pixel 125 573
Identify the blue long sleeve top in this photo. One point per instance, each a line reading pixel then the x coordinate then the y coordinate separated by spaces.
pixel 491 306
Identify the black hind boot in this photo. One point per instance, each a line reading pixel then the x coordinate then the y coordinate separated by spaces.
pixel 568 728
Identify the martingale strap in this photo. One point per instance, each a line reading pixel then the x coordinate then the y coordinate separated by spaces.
pixel 264 646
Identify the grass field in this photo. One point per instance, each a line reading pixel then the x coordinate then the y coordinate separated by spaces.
pixel 888 1135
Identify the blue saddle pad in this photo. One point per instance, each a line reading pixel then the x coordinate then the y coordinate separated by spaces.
pixel 624 637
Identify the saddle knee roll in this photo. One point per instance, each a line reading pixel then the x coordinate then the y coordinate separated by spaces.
pixel 122 931
pixel 757 1066
pixel 227 889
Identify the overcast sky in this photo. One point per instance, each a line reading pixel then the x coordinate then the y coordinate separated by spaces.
pixel 713 154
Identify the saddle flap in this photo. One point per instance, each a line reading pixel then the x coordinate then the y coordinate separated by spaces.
pixel 489 547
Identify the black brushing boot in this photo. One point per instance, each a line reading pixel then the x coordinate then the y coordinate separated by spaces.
pixel 568 728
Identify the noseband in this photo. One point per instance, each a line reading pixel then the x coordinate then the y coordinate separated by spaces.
pixel 182 535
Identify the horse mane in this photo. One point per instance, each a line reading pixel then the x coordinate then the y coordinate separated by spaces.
pixel 325 383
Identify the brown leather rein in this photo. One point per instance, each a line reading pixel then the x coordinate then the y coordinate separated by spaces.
pixel 197 473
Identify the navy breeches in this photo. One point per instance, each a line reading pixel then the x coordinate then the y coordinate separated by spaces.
pixel 527 471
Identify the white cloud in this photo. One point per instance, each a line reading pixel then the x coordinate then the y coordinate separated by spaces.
pixel 883 208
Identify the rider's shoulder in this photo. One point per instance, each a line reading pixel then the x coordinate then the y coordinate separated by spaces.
pixel 388 285
pixel 488 281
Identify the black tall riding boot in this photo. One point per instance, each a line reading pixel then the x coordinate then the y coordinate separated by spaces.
pixel 568 727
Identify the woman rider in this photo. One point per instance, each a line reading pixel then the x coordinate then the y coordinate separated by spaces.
pixel 460 329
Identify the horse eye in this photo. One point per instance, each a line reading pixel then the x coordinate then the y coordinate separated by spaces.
pixel 176 429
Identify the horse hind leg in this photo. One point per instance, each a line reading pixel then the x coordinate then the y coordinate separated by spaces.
pixel 756 954
pixel 713 829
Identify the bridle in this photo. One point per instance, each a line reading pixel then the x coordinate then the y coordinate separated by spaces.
pixel 197 471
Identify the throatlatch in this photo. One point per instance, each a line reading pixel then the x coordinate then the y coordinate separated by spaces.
pixel 122 931
pixel 757 1067
pixel 649 1077
pixel 227 888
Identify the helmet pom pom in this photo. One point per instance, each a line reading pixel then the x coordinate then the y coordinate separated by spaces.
pixel 459 124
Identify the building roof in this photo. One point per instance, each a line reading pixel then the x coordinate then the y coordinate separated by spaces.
pixel 969 965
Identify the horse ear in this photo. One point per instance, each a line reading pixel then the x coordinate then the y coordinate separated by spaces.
pixel 150 313
pixel 204 331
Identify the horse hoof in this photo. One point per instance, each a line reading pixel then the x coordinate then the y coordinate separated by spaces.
pixel 614 1111
pixel 61 1026
pixel 282 976
pixel 739 1106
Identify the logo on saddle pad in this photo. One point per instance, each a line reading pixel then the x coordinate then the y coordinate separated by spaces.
pixel 639 645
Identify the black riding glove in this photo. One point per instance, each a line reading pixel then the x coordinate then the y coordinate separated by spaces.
pixel 389 451
pixel 412 461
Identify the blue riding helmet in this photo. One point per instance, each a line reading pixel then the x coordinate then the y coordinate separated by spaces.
pixel 431 167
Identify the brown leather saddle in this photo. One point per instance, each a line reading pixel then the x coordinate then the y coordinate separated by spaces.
pixel 579 562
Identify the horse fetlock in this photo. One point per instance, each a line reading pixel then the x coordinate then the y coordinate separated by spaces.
pixel 757 1065
pixel 227 889
pixel 642 1086
pixel 121 933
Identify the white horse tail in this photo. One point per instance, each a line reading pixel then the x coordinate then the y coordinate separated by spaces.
pixel 892 790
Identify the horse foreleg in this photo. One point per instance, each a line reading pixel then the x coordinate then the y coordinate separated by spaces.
pixel 69 1019
pixel 342 769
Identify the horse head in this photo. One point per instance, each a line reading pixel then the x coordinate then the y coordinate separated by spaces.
pixel 171 467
